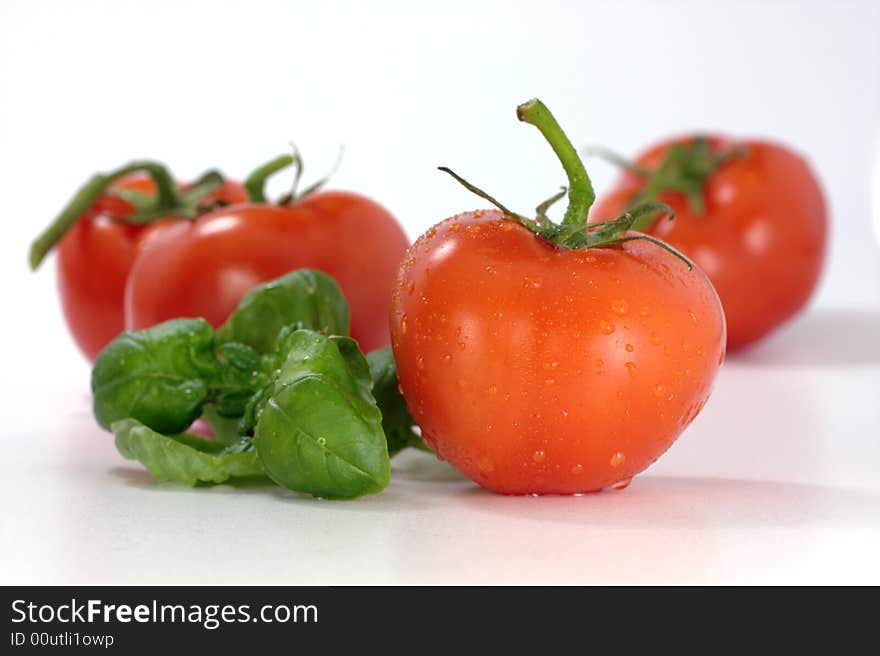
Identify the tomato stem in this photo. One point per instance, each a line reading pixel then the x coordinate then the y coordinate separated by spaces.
pixel 255 184
pixel 166 200
pixel 580 188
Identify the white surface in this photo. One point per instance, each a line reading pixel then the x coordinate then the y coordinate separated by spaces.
pixel 775 482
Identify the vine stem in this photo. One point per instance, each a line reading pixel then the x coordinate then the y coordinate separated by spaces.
pixel 255 185
pixel 580 188
pixel 85 197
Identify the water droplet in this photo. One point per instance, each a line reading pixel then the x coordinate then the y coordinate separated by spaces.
pixel 701 350
pixel 666 350
pixel 621 485
pixel 461 345
pixel 550 365
pixel 539 456
pixel 619 306
pixel 400 388
pixel 447 358
pixel 491 269
pixel 564 413
pixel 550 381
pixel 629 348
pixel 420 362
pixel 322 441
pixel 600 362
pixel 643 312
pixel 617 459
pixel 655 339
pixel 693 316
pixel 631 368
pixel 577 469
pixel 485 464
pixel 606 327
pixel 534 283
pixel 659 390
pixel 403 325
pixel 492 389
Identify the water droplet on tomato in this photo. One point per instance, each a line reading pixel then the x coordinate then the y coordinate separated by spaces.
pixel 630 348
pixel 701 351
pixel 322 441
pixel 631 368
pixel 617 459
pixel 622 484
pixel 577 469
pixel 550 381
pixel 420 362
pixel 606 327
pixel 655 339
pixel 403 325
pixel 693 316
pixel 666 350
pixel 447 358
pixel 485 464
pixel 551 365
pixel 659 390
pixel 619 306
pixel 539 456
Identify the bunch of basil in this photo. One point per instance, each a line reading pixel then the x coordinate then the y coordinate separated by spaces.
pixel 286 392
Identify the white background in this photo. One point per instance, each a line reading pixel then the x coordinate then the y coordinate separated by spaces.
pixel 776 481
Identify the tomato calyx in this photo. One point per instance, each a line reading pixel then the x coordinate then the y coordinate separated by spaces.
pixel 685 169
pixel 168 200
pixel 573 232
pixel 255 183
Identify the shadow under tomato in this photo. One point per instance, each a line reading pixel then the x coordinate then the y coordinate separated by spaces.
pixel 823 338
pixel 681 502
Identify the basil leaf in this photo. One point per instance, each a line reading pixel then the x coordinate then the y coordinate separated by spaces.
pixel 158 376
pixel 185 458
pixel 318 429
pixel 309 298
pixel 397 423
pixel 225 429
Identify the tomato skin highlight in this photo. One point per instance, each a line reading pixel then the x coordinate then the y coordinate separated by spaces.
pixel 539 370
pixel 94 260
pixel 761 240
pixel 203 269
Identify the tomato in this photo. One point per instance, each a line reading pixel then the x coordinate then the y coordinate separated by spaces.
pixel 95 256
pixel 534 369
pixel 203 269
pixel 755 222
pixel 549 359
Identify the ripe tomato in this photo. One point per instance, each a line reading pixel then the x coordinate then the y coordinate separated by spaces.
pixel 203 269
pixel 549 359
pixel 535 369
pixel 755 222
pixel 95 256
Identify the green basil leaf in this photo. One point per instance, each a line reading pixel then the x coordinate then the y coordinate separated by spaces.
pixel 226 429
pixel 307 298
pixel 185 458
pixel 397 423
pixel 318 429
pixel 160 376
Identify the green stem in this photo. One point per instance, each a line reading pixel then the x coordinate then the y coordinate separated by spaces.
pixel 85 197
pixel 255 184
pixel 580 189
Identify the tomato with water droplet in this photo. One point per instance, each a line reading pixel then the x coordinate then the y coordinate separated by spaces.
pixel 594 335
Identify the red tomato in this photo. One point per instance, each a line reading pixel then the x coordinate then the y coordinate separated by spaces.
pixel 760 238
pixel 537 369
pixel 95 257
pixel 203 269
